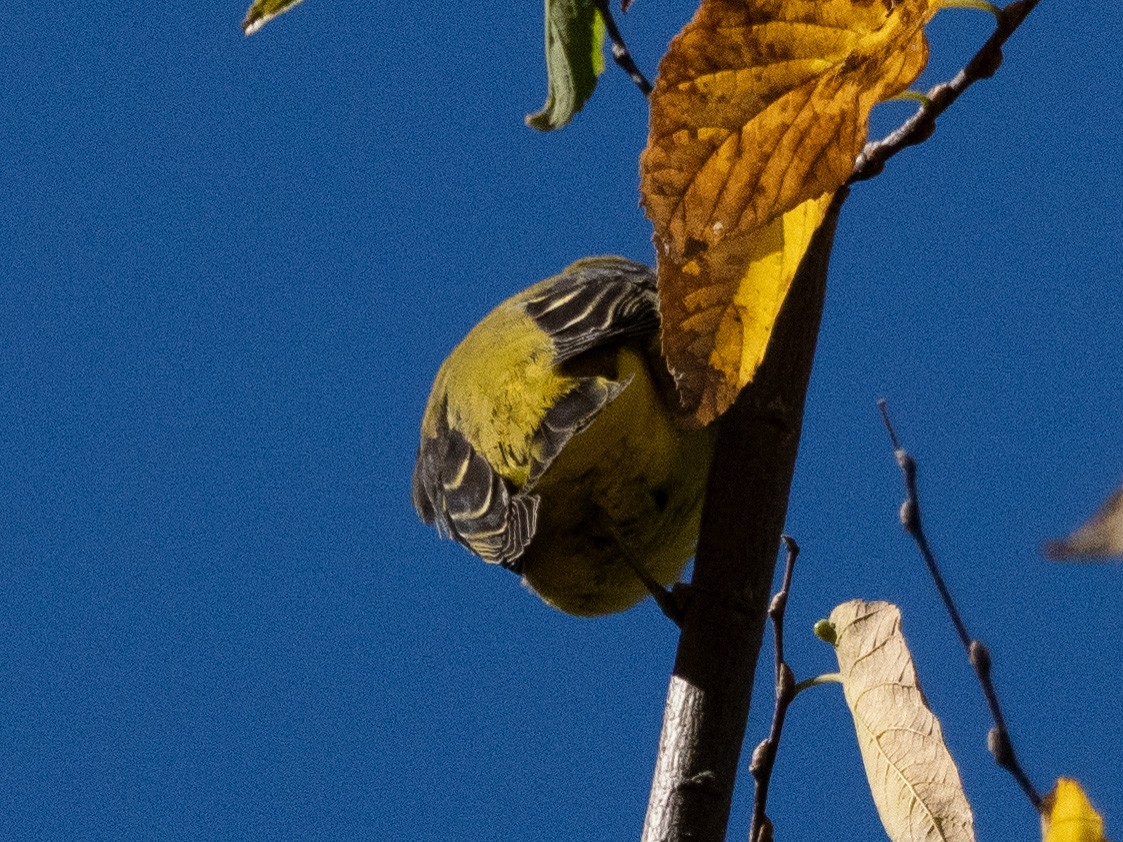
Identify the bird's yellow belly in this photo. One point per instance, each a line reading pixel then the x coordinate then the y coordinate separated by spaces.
pixel 629 486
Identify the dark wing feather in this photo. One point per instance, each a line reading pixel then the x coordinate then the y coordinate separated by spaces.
pixel 594 303
pixel 570 415
pixel 591 304
pixel 456 489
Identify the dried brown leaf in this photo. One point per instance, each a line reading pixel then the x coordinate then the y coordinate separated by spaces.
pixel 759 108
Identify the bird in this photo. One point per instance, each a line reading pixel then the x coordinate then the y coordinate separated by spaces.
pixel 553 443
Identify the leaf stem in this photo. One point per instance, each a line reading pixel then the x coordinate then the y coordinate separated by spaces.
pixel 981 5
pixel 912 96
pixel 817 681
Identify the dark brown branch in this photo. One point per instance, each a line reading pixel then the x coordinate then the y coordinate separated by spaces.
pixel 922 124
pixel 764 758
pixel 998 739
pixel 620 52
pixel 746 502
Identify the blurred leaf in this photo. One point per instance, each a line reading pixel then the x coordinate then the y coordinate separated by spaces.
pixel 1067 815
pixel 574 60
pixel 263 11
pixel 1101 536
pixel 913 779
pixel 758 108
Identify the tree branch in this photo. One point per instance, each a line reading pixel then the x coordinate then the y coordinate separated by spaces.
pixel 922 124
pixel 998 738
pixel 764 757
pixel 620 53
pixel 746 503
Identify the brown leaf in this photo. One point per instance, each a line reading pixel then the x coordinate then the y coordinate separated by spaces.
pixel 759 108
pixel 723 303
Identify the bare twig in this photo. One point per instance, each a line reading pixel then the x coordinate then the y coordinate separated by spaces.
pixel 764 758
pixel 998 739
pixel 620 52
pixel 919 127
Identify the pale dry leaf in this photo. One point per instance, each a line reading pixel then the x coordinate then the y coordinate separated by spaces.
pixel 912 776
pixel 1099 537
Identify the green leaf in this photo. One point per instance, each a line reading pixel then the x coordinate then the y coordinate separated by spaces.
pixel 263 11
pixel 574 59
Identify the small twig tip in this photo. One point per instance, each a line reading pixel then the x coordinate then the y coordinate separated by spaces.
pixel 883 408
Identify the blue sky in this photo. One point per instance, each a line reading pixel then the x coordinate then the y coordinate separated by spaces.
pixel 228 270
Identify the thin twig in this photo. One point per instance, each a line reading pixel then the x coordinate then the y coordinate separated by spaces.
pixel 919 127
pixel 764 757
pixel 998 739
pixel 620 52
pixel 910 520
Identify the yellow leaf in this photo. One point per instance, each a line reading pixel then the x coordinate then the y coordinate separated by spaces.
pixel 719 307
pixel 760 106
pixel 1067 815
pixel 263 11
pixel 913 779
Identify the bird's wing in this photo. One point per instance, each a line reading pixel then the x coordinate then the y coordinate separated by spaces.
pixel 594 303
pixel 456 489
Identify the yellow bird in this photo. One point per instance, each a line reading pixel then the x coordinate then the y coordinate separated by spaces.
pixel 553 443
